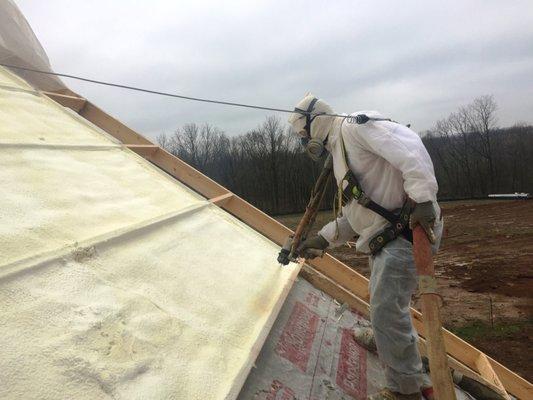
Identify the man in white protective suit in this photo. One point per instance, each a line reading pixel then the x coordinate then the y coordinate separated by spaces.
pixel 378 165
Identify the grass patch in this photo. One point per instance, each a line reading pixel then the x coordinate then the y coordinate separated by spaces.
pixel 478 330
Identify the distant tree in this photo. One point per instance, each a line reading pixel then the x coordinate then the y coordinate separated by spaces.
pixel 473 157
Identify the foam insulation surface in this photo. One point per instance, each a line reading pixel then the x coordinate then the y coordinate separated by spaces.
pixel 116 281
pixel 55 197
pixel 168 311
pixel 31 117
pixel 11 80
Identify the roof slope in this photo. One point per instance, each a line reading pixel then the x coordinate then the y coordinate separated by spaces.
pixel 116 281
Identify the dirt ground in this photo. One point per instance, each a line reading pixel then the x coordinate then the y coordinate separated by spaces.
pixel 485 274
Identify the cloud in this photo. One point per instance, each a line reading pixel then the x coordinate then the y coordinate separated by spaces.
pixel 415 62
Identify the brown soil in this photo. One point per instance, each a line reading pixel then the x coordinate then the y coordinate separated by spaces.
pixel 486 257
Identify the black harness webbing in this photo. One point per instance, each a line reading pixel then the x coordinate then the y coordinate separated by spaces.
pixel 399 223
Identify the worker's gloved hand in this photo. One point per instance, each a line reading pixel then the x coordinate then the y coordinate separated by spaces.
pixel 312 247
pixel 424 214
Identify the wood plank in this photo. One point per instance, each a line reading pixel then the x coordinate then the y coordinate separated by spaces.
pixel 144 150
pixel 257 219
pixel 141 146
pixel 222 199
pixel 66 91
pixel 348 280
pixel 112 126
pixel 463 369
pixel 469 355
pixel 441 376
pixel 513 383
pixel 72 102
pixel 485 370
pixel 186 174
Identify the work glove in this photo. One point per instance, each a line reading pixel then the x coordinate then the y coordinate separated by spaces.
pixel 312 247
pixel 424 214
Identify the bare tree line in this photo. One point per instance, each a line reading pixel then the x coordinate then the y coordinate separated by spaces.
pixel 267 167
pixel 473 157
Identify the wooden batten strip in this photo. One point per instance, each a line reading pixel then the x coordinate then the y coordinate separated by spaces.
pixel 112 126
pixel 72 102
pixel 486 371
pixel 144 150
pixel 257 219
pixel 185 173
pixel 335 278
pixel 222 199
pixel 469 355
pixel 141 146
pixel 463 369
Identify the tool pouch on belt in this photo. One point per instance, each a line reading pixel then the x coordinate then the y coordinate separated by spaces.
pixel 399 223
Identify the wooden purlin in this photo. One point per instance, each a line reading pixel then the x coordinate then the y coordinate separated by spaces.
pixel 347 282
pixel 72 102
pixel 181 171
pixel 112 126
pixel 222 199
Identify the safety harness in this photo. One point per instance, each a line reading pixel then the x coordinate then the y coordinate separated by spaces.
pixel 398 222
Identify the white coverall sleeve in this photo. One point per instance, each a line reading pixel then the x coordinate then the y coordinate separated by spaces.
pixel 329 231
pixel 404 149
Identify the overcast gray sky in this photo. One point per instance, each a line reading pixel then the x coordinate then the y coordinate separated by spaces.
pixel 415 61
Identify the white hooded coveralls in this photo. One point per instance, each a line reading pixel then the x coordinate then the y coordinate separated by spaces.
pixel 391 163
pixel 388 159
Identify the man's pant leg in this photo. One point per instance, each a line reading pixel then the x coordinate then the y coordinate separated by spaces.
pixel 393 280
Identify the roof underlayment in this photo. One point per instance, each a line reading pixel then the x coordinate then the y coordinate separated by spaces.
pixel 117 281
pixel 311 353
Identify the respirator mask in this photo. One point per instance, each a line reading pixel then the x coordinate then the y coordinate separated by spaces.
pixel 315 148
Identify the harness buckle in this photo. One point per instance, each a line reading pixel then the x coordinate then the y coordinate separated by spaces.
pixel 363 199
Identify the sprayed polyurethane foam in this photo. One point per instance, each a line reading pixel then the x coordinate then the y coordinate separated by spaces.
pixel 116 281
